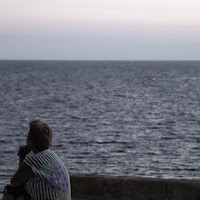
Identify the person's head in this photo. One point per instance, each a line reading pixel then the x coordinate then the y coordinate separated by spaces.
pixel 39 135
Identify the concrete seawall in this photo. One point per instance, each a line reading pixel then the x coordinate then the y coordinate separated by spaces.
pixel 96 187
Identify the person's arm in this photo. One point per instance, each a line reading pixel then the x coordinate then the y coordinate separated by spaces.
pixel 24 172
pixel 22 175
pixel 23 151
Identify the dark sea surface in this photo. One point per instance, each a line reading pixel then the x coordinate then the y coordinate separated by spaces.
pixel 134 118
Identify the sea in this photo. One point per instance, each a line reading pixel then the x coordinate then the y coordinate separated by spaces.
pixel 119 118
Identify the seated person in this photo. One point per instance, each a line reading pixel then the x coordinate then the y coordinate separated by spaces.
pixel 43 174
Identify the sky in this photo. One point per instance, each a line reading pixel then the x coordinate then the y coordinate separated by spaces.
pixel 100 29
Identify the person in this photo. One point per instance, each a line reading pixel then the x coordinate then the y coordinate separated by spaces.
pixel 43 174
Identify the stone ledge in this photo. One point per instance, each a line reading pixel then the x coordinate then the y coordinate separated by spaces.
pixel 98 187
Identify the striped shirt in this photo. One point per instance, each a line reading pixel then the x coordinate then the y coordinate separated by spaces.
pixel 51 180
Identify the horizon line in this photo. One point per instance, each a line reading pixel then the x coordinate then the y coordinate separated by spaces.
pixel 108 60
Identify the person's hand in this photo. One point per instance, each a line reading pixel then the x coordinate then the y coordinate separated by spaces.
pixel 23 150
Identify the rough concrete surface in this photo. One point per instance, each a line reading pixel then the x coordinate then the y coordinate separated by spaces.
pixel 97 187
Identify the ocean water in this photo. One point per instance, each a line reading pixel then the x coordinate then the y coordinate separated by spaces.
pixel 133 118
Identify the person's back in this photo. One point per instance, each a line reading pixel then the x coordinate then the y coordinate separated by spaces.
pixel 50 180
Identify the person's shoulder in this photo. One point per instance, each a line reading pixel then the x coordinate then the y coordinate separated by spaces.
pixel 53 153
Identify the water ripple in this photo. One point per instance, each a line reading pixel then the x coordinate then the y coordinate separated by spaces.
pixel 115 118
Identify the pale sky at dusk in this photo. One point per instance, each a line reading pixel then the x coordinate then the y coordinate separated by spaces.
pixel 100 29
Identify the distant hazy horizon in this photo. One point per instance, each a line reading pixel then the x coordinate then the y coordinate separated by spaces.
pixel 99 30
pixel 100 60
